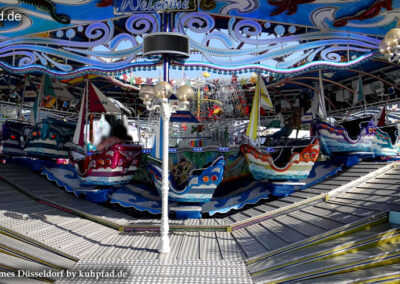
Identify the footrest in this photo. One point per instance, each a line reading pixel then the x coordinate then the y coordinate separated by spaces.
pixel 187 212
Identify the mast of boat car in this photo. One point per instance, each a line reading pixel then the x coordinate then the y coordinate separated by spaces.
pixel 362 91
pixel 198 102
pixel 35 114
pixel 86 94
pixel 322 96
pixel 19 111
pixel 259 78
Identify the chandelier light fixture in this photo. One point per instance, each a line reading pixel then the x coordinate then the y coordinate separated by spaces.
pixel 390 45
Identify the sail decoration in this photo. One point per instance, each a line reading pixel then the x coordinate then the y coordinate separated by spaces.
pixel 265 99
pixel 36 105
pixel 261 98
pixel 94 101
pixel 52 87
pixel 322 106
pixel 382 117
pixel 98 102
pixel 359 95
pixel 80 126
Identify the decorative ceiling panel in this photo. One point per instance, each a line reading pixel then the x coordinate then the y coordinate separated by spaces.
pixel 373 17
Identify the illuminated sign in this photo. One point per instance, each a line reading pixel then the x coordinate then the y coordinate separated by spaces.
pixel 158 6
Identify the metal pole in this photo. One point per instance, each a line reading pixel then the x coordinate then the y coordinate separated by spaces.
pixel 258 110
pixel 322 95
pixel 164 246
pixel 86 94
pixel 164 242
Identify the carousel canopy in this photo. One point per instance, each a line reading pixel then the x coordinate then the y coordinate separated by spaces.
pixel 287 41
pixel 71 38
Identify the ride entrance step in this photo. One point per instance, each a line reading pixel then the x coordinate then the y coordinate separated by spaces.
pixel 373 242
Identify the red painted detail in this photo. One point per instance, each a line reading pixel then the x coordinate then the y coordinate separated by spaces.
pixel 306 152
pixel 289 5
pixel 364 14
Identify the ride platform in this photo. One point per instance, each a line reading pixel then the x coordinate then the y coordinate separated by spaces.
pixel 247 245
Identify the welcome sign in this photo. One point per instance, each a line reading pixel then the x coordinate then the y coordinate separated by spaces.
pixel 155 6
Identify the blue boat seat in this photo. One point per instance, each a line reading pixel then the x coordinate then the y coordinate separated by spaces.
pixel 353 127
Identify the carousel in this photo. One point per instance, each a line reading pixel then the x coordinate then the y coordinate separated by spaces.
pixel 224 120
pixel 190 109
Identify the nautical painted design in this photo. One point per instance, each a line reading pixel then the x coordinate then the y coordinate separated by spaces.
pixel 50 8
pixel 197 186
pixel 13 137
pixel 290 6
pixel 263 165
pixel 235 162
pixel 50 138
pixel 337 139
pixel 386 141
pixel 113 166
pixel 73 55
pixel 364 14
pixel 380 15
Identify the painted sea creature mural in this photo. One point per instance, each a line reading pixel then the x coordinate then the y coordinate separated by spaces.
pixel 235 163
pixel 187 184
pixel 289 5
pixel 49 7
pixel 194 173
pixel 364 14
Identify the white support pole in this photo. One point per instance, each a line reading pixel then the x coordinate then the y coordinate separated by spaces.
pixel 164 241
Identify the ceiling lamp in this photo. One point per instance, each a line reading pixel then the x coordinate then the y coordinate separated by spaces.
pixel 390 45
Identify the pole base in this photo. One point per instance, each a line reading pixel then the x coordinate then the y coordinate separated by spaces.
pixel 163 246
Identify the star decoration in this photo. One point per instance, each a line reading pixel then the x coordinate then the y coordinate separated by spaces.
pixel 149 81
pixel 253 80
pixel 234 79
pixel 139 81
pixel 242 81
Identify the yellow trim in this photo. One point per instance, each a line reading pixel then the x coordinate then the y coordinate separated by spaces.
pixel 324 238
pixel 383 278
pixel 29 240
pixel 380 239
pixel 357 265
pixel 19 254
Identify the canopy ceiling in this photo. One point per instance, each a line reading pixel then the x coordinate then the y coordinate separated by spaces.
pixel 373 17
pixel 71 38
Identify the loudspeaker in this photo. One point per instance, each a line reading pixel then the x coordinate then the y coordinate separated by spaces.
pixel 173 44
